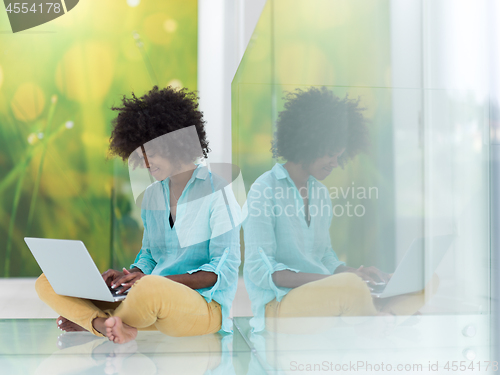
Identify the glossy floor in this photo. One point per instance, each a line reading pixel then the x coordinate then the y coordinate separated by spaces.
pixel 37 346
pixel 422 345
pixel 431 344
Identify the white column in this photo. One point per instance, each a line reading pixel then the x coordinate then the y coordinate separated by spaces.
pixel 224 30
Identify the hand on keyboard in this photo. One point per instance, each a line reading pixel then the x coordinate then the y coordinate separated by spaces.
pixel 124 283
pixel 118 291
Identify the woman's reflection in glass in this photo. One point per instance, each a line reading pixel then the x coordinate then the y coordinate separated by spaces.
pixel 291 269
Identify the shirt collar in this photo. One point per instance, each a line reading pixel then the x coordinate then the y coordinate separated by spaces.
pixel 200 172
pixel 280 171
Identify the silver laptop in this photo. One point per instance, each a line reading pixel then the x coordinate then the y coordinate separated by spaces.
pixel 410 275
pixel 70 269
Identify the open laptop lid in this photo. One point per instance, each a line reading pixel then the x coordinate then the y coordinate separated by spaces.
pixel 410 275
pixel 69 268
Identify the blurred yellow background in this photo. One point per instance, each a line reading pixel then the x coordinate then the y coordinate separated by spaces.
pixel 57 84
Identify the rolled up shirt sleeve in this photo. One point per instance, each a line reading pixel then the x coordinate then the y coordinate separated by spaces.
pixel 224 262
pixel 224 245
pixel 224 253
pixel 331 261
pixel 260 242
pixel 261 272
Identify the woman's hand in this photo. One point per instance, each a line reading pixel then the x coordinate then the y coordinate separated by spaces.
pixel 111 275
pixel 126 281
pixel 372 275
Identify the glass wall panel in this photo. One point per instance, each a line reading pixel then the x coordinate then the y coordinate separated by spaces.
pixel 317 80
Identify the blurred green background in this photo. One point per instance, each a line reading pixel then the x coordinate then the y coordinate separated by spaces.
pixel 345 46
pixel 57 84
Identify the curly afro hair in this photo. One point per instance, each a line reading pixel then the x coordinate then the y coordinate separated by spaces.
pixel 315 122
pixel 157 113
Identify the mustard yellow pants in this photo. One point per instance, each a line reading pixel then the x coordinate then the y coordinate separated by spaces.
pixel 153 303
pixel 344 294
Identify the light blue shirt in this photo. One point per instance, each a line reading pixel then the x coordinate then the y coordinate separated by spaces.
pixel 278 238
pixel 203 238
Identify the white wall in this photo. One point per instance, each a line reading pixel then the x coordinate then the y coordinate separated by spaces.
pixel 224 30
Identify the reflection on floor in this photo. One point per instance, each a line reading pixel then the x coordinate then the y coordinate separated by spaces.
pixel 32 344
pixel 367 345
pixel 36 346
pixel 319 345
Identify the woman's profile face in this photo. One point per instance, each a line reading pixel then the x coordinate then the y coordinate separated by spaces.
pixel 159 167
pixel 323 166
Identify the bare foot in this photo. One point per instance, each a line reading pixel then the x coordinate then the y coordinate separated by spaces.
pixel 67 325
pixel 119 332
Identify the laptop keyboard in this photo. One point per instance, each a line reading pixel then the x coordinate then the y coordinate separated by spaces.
pixel 376 288
pixel 115 293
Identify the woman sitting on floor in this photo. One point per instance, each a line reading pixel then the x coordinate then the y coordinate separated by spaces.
pixel 184 278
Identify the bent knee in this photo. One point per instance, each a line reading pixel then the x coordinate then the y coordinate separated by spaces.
pixel 151 283
pixel 42 286
pixel 358 286
pixel 149 280
pixel 349 284
pixel 352 281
